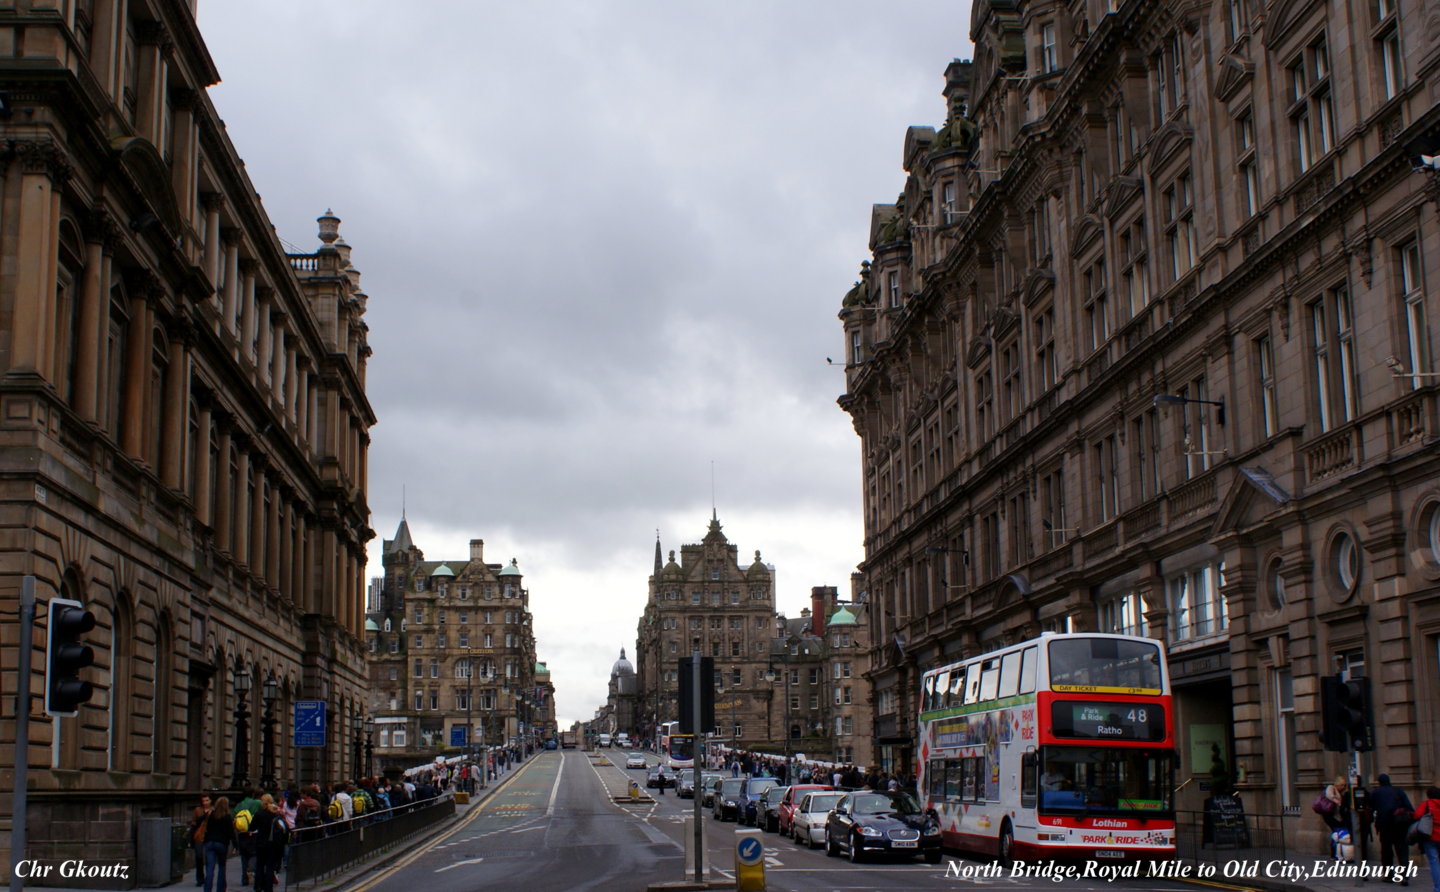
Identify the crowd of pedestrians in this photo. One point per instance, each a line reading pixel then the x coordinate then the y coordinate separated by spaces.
pixel 1354 816
pixel 262 825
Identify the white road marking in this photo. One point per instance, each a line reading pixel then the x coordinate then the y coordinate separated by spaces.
pixel 555 790
pixel 525 829
pixel 458 864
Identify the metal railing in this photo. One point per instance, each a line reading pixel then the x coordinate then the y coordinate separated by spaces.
pixel 1214 837
pixel 324 850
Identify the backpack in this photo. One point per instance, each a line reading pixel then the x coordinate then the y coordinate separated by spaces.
pixel 335 810
pixel 279 833
pixel 243 817
pixel 309 814
pixel 357 802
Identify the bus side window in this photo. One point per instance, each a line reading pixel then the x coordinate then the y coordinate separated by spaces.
pixel 1030 660
pixel 937 778
pixel 928 700
pixel 1010 674
pixel 942 688
pixel 1029 772
pixel 957 687
pixel 972 683
pixel 954 772
pixel 990 680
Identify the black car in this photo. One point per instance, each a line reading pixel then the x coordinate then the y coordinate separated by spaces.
pixel 710 785
pixel 768 811
pixel 750 794
pixel 660 777
pixel 866 822
pixel 727 799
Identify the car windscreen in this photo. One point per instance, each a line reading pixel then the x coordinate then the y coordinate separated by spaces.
pixel 731 786
pixel 759 785
pixel 818 802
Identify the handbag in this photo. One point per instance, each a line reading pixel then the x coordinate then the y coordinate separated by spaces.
pixel 198 834
pixel 1421 830
pixel 1323 805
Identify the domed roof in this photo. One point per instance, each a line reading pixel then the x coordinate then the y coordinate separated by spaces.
pixel 622 666
pixel 512 569
pixel 757 570
pixel 841 617
pixel 443 570
pixel 371 625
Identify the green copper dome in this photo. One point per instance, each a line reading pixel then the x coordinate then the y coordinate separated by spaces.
pixel 841 617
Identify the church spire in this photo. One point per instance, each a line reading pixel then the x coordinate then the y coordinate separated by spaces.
pixel 658 565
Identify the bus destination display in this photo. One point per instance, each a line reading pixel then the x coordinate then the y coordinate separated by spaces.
pixel 1090 720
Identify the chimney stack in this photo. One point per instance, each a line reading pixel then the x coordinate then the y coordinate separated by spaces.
pixel 477 550
pixel 821 597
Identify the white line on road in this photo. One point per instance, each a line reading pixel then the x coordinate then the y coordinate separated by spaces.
pixel 458 864
pixel 526 829
pixel 555 790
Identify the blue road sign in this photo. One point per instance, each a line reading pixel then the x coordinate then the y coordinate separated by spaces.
pixel 750 849
pixel 457 735
pixel 309 722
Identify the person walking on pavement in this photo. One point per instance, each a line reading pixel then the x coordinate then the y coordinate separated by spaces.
pixel 197 840
pixel 1392 811
pixel 1431 845
pixel 219 837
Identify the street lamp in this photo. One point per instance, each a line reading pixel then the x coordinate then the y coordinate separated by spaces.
pixel 770 677
pixel 1175 399
pixel 369 743
pixel 242 729
pixel 268 694
pixel 359 748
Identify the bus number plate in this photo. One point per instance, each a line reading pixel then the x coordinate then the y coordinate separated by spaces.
pixel 1108 853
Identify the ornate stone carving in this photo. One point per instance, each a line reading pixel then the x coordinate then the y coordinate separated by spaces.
pixel 43 156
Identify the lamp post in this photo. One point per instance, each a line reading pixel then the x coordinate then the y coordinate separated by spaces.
pixel 242 729
pixel 269 691
pixel 369 724
pixel 770 677
pixel 359 749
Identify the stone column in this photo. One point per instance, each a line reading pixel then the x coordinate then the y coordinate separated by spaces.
pixel 213 202
pixel 224 490
pixel 91 339
pixel 277 358
pixel 175 412
pixel 291 382
pixel 263 339
pixel 230 290
pixel 259 515
pixel 274 522
pixel 42 167
pixel 248 268
pixel 302 400
pixel 240 549
pixel 204 492
pixel 313 417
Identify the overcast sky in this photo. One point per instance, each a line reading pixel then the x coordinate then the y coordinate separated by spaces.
pixel 605 244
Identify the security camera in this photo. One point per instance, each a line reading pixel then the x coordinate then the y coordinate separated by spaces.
pixel 1394 365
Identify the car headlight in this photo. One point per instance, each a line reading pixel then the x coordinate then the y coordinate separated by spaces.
pixel 870 831
pixel 729 803
pixel 931 828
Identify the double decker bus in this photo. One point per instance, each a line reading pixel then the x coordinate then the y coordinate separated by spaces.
pixel 1061 747
pixel 678 750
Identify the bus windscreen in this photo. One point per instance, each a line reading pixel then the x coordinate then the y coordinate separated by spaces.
pixel 1105 665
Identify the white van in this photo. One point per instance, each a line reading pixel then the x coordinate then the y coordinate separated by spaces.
pixel 605 740
pixel 622 740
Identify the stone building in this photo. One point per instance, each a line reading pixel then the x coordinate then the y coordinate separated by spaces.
pixel 1145 344
pixel 451 648
pixel 709 598
pixel 619 712
pixel 184 435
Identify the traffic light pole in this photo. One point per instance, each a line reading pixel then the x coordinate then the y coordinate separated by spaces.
pixel 697 760
pixel 22 732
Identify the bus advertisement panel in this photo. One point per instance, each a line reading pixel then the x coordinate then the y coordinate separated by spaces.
pixel 1058 747
pixel 678 750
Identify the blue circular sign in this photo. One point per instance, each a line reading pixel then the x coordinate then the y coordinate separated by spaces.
pixel 750 849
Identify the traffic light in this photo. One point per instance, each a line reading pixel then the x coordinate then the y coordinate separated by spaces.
pixel 66 655
pixel 1346 713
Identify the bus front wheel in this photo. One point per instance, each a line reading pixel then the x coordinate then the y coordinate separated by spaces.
pixel 1007 845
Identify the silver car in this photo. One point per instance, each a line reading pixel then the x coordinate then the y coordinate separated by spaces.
pixel 808 823
pixel 635 760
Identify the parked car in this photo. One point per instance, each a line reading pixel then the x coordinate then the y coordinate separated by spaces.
pixel 866 822
pixel 807 821
pixel 750 793
pixel 685 783
pixel 793 795
pixel 709 785
pixel 727 799
pixel 767 813
pixel 660 777
pixel 635 760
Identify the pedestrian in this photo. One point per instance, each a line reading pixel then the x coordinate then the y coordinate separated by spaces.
pixel 1393 812
pixel 197 836
pixel 1337 815
pixel 271 837
pixel 219 837
pixel 1430 845
pixel 309 814
pixel 245 813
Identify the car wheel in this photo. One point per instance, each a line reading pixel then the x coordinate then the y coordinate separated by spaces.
pixel 831 850
pixel 1006 845
pixel 855 854
pixel 932 857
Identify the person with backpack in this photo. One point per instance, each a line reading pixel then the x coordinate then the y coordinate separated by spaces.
pixel 1392 811
pixel 245 813
pixel 309 815
pixel 271 837
pixel 198 820
pixel 1430 844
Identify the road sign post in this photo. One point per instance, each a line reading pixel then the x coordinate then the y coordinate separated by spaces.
pixel 749 861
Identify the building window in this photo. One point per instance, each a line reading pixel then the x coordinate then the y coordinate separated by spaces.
pixel 1197 608
pixel 985 405
pixel 419 614
pixel 1195 421
pixel 1312 108
pixel 1235 19
pixel 1275 584
pixel 1052 507
pixel 1249 168
pixel 1042 336
pixel 1333 349
pixel 1387 46
pixel 462 668
pixel 1011 387
pixel 395 644
pixel 857 348
pixel 1135 275
pixel 735 678
pixel 892 289
pixel 1412 293
pixel 1346 561
pixel 1286 750
pixel 1180 225
pixel 1169 77
pixel 1107 479
pixel 1122 614
pixel 434 699
pixel 1097 307
pixel 1265 381
pixel 419 700
pixel 1146 433
pixel 419 668
pixel 462 699
pixel 1049 60
pixel 434 668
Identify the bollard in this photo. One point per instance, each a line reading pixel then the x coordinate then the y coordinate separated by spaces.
pixel 634 790
pixel 749 861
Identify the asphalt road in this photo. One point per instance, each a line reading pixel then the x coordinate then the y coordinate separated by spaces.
pixel 557 825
